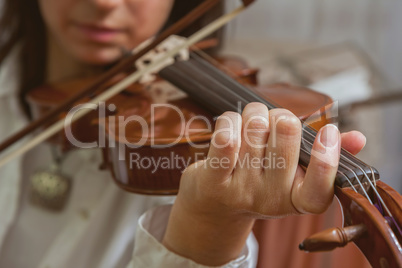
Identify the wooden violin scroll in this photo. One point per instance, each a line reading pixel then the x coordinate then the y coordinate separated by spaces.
pixel 377 236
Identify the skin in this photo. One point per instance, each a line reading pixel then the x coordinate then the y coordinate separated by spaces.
pixel 216 207
pixel 76 37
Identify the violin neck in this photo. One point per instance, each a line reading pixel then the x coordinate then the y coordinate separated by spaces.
pixel 218 92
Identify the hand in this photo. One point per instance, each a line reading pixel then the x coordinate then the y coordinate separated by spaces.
pixel 252 172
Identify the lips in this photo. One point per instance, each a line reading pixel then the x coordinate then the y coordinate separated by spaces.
pixel 97 32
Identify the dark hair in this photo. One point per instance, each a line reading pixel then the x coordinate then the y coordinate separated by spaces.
pixel 21 24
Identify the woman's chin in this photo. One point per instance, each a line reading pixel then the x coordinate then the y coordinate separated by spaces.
pixel 99 58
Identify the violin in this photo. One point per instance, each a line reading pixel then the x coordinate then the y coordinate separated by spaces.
pixel 151 162
pixel 371 209
pixel 363 220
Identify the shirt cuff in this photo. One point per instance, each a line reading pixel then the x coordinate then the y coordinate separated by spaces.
pixel 150 252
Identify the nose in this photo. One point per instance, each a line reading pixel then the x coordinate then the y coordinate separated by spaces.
pixel 106 4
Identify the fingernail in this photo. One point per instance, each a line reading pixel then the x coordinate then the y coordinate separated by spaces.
pixel 365 141
pixel 329 136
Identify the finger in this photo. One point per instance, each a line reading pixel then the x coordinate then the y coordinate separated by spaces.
pixel 224 148
pixel 283 144
pixel 255 130
pixel 353 141
pixel 314 192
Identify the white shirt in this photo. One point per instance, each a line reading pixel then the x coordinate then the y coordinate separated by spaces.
pixel 101 225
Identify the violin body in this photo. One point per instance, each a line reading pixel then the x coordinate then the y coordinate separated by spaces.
pixel 150 159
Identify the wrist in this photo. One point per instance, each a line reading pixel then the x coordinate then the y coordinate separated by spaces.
pixel 209 237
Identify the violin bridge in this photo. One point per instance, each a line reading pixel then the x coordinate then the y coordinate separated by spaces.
pixel 156 54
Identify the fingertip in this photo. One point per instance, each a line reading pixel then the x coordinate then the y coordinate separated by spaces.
pixel 353 141
pixel 364 140
pixel 326 147
pixel 222 139
pixel 256 107
pixel 360 136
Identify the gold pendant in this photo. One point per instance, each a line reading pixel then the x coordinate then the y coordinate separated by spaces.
pixel 50 189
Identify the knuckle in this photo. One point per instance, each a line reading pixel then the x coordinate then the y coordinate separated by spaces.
pixel 256 122
pixel 288 127
pixel 223 139
pixel 323 167
pixel 285 123
pixel 255 132
pixel 191 168
pixel 228 120
pixel 311 202
pixel 315 206
pixel 255 117
pixel 195 166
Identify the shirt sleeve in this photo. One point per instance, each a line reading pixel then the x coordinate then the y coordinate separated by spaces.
pixel 150 252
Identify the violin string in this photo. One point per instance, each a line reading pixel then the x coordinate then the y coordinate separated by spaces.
pixel 205 56
pixel 350 183
pixel 185 78
pixel 234 91
pixel 358 181
pixel 365 175
pixel 347 168
pixel 340 172
pixel 307 129
pixel 373 177
pixel 232 87
pixel 373 186
pixel 343 157
pixel 354 174
pixel 375 190
pixel 222 101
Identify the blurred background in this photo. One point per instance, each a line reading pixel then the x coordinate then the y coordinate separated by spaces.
pixel 348 49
